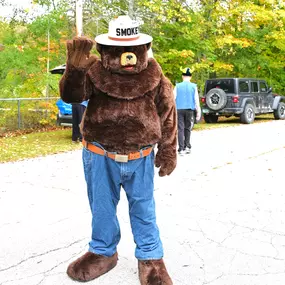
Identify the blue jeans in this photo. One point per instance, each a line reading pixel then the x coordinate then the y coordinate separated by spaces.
pixel 104 177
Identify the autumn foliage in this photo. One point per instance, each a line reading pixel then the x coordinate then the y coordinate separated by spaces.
pixel 241 38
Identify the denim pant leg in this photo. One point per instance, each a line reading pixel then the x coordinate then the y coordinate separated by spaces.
pixel 139 189
pixel 102 177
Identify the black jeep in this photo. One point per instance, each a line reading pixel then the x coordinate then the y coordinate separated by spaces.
pixel 240 97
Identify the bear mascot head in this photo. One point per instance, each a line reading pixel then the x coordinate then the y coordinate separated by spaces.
pixel 131 112
pixel 124 49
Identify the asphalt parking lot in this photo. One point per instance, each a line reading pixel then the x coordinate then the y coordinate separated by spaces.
pixel 221 214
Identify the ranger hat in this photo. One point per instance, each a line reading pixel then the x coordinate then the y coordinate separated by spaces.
pixel 186 71
pixel 123 31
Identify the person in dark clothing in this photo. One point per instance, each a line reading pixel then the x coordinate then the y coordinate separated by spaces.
pixel 188 106
pixel 78 110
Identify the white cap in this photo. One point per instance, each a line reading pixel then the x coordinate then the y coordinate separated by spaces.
pixel 123 31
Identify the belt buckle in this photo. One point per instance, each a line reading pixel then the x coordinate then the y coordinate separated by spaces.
pixel 121 158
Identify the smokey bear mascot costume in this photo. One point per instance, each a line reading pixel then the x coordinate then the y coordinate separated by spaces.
pixel 131 109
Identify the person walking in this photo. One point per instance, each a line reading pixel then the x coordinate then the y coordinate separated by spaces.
pixel 78 110
pixel 187 105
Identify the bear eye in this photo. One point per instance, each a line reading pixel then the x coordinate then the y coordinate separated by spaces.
pixel 118 50
pixel 128 49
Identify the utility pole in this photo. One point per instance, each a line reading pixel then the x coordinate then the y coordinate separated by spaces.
pixel 79 18
pixel 48 49
pixel 48 59
pixel 131 8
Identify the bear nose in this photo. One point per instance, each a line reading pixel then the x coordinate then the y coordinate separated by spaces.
pixel 129 57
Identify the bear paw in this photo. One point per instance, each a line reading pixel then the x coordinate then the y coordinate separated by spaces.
pixel 91 266
pixel 153 272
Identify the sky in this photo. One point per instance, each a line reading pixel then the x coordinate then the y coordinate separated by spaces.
pixel 20 2
pixel 5 11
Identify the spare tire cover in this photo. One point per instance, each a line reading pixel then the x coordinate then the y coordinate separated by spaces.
pixel 216 99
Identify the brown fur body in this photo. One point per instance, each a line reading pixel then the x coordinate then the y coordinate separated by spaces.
pixel 128 109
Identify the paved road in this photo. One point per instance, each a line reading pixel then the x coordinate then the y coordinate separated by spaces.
pixel 221 214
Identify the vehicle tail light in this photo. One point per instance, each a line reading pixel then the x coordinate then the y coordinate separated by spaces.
pixel 235 99
pixel 203 100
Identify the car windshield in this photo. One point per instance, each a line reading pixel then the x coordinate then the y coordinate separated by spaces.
pixel 226 84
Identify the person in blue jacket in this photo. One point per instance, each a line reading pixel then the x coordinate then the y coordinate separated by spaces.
pixel 78 110
pixel 187 105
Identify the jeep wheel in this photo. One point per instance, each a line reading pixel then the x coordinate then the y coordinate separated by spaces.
pixel 211 118
pixel 248 115
pixel 279 113
pixel 216 99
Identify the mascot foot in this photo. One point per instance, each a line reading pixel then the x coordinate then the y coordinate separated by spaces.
pixel 153 272
pixel 90 266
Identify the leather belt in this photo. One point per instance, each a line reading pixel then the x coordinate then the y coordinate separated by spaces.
pixel 117 157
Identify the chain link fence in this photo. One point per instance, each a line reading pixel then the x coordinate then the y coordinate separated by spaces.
pixel 27 113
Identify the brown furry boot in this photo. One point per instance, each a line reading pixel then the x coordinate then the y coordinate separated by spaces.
pixel 90 266
pixel 153 272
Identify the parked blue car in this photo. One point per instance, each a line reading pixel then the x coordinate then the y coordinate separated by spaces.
pixel 64 116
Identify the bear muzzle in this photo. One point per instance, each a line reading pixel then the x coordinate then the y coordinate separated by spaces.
pixel 128 59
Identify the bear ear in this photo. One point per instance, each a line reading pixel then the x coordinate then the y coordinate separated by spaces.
pixel 99 48
pixel 148 46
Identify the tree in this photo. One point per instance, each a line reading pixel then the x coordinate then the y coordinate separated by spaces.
pixel 213 37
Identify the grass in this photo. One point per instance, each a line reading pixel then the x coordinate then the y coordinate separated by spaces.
pixel 30 145
pixel 36 144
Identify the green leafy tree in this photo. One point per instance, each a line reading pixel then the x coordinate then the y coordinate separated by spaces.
pixel 213 37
